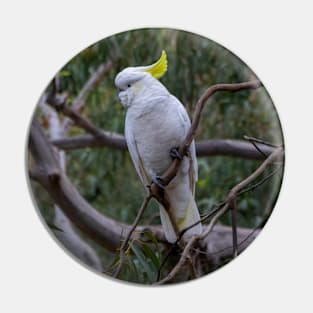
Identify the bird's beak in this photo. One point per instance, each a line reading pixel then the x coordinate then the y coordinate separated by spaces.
pixel 122 95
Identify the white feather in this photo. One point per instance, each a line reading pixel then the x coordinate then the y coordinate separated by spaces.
pixel 155 123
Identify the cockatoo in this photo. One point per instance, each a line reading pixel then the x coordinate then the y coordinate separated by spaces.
pixel 156 123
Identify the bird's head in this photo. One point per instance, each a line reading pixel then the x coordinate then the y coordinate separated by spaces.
pixel 132 81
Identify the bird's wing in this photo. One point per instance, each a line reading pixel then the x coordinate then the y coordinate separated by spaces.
pixel 185 122
pixel 133 150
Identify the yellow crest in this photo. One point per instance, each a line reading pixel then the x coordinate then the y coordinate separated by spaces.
pixel 158 69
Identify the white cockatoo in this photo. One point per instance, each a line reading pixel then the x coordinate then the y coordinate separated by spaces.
pixel 156 123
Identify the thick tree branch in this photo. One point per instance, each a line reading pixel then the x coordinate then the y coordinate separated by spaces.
pixel 107 232
pixel 232 148
pixel 69 237
pixel 112 140
pixel 46 159
pixel 211 147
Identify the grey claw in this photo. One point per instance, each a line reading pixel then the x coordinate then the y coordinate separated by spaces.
pixel 158 181
pixel 175 154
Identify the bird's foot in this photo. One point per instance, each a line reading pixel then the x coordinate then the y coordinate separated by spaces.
pixel 158 181
pixel 174 154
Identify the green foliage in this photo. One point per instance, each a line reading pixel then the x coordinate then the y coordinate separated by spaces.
pixel 106 177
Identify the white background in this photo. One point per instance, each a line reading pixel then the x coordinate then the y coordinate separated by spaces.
pixel 274 38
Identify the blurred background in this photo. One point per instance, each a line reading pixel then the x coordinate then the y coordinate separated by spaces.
pixel 106 178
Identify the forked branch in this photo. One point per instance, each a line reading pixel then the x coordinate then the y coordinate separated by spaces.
pixel 235 191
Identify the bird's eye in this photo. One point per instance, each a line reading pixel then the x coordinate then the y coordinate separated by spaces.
pixel 128 85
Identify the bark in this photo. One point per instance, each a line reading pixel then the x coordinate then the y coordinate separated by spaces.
pixel 212 147
pixel 107 232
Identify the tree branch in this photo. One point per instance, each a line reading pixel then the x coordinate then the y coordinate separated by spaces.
pixel 109 139
pixel 211 147
pixel 112 140
pixel 68 236
pixel 91 83
pixel 102 229
pixel 228 204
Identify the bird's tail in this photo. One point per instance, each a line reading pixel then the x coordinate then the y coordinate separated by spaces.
pixel 184 216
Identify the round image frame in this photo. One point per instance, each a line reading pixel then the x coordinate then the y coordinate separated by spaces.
pixel 135 250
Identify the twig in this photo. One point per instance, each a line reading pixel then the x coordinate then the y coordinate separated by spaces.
pixel 257 148
pixel 213 210
pixel 173 247
pixel 278 153
pixel 253 231
pixel 124 245
pixel 91 83
pixel 216 207
pixel 189 245
pixel 262 181
pixel 233 211
pixel 252 187
pixel 59 104
pixel 263 142
pixel 151 219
